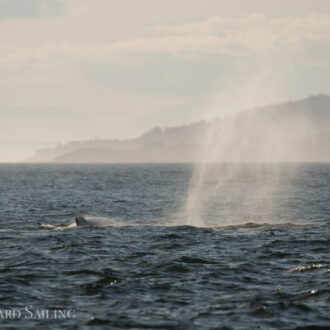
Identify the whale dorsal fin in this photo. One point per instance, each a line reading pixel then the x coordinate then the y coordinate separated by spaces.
pixel 80 221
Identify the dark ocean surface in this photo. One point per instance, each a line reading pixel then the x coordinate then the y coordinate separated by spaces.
pixel 258 257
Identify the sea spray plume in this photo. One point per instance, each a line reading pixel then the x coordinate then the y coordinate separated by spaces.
pixel 216 142
pixel 237 178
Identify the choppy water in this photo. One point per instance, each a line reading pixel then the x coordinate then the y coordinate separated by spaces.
pixel 265 268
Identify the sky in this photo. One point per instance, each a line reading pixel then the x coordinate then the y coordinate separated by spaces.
pixel 86 69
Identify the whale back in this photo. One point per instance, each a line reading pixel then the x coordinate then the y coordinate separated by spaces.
pixel 93 221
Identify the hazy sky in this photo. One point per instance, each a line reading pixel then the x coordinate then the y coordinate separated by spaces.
pixel 79 69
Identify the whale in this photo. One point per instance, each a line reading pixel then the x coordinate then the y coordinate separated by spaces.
pixel 83 222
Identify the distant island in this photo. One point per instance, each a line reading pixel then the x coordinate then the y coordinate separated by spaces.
pixel 296 131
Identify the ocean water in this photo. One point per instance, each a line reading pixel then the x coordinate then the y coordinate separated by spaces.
pixel 257 258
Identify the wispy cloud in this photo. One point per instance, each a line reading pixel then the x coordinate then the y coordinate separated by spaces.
pixel 253 35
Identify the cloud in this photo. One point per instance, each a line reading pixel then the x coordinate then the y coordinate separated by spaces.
pixel 30 8
pixel 250 36
pixel 254 33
